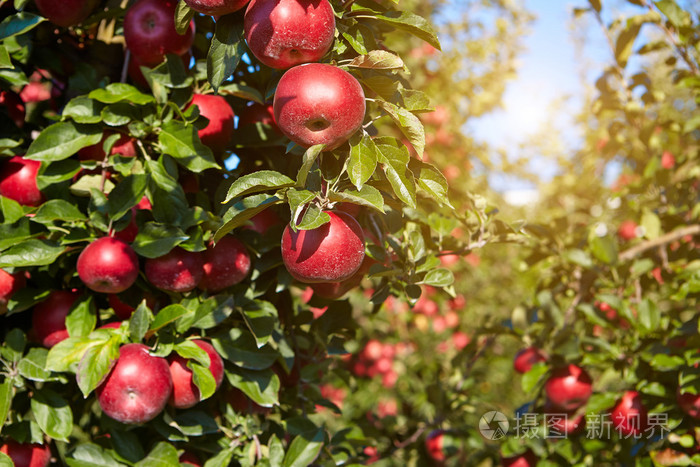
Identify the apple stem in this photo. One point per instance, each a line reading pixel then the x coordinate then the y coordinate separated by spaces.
pixel 347 4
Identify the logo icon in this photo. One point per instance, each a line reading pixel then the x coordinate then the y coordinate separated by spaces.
pixel 493 425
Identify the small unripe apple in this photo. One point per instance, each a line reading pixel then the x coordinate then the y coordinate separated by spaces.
pixel 66 12
pixel 9 284
pixel 125 146
pixel 26 454
pixel 317 103
pixel 217 134
pixel 49 317
pixel 216 7
pixel 177 271
pixel 18 181
pixel 568 388
pixel 284 33
pixel 108 265
pixel 689 403
pixel 629 416
pixel 150 34
pixel 526 358
pixel 332 252
pixel 14 107
pixel 137 387
pixel 185 393
pixel 225 264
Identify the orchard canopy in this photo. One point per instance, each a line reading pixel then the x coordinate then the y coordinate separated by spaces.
pixel 275 233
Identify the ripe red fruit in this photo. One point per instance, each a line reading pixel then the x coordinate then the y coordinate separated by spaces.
pixel 434 444
pixel 263 221
pixel 137 387
pixel 216 7
pixel 568 388
pixel 125 146
pixel 27 455
pixel 284 33
pixel 219 130
pixel 185 394
pixel 629 416
pixel 124 310
pixel 14 107
pixel 460 340
pixel 319 104
pixel 9 284
pixel 108 265
pixel 177 271
pixel 190 458
pixel 526 358
pixel 526 459
pixel 66 12
pixel 18 181
pixel 689 403
pixel 257 113
pixel 627 230
pixel 332 252
pixel 49 317
pixel 225 264
pixel 667 160
pixel 149 31
pixel 335 290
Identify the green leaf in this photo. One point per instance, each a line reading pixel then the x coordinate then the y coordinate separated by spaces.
pixel 62 140
pixel 408 123
pixel 260 316
pixel 378 60
pixel 651 224
pixel 183 17
pixel 313 218
pixel 82 109
pixel 276 450
pixel 363 160
pixel 649 315
pixel 57 172
pixel 260 386
pixel 676 15
pixel 440 277
pixel 431 181
pixel 244 92
pixel 58 210
pixel 19 23
pixel 5 400
pixel 256 182
pixel 532 377
pixel 309 158
pixel 243 211
pixel 240 347
pixel 155 240
pixel 297 200
pixel 203 379
pixel 182 142
pixel 96 363
pixel 416 25
pixel 53 414
pixel 162 455
pixel 32 252
pixel 190 350
pixel 118 92
pixel 126 195
pixel 625 42
pixel 67 354
pixel 12 211
pixel 91 455
pixel 223 457
pixel 140 322
pixel 368 196
pixel 595 4
pixel 304 449
pixel 603 248
pixel 395 165
pixel 226 50
pixel 167 315
pixel 578 257
pixel 82 318
pixel 32 365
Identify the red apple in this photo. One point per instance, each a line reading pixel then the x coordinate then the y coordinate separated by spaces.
pixel 177 271
pixel 190 458
pixel 18 181
pixel 125 146
pixel 319 104
pixel 257 113
pixel 629 416
pixel 460 340
pixel 434 444
pixel 335 290
pixel 332 252
pixel 216 7
pixel 112 325
pixel 185 394
pixel 526 459
pixel 526 358
pixel 49 317
pixel 689 403
pixel 149 31
pixel 9 284
pixel 128 234
pixel 108 265
pixel 124 310
pixel 568 388
pixel 66 12
pixel 35 91
pixel 667 160
pixel 263 221
pixel 627 230
pixel 27 455
pixel 284 33
pixel 225 264
pixel 14 107
pixel 219 130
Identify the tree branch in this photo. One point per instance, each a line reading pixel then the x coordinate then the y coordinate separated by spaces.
pixel 662 240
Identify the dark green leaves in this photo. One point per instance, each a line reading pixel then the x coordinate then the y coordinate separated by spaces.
pixel 256 182
pixel 31 252
pixel 126 195
pixel 53 414
pixel 155 240
pixel 183 16
pixel 416 25
pixel 181 142
pixel 118 92
pixel 96 363
pixel 61 140
pixel 19 24
pixel 240 347
pixel 304 449
pixel 227 48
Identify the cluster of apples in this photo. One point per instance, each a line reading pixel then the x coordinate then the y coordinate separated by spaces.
pixel 377 359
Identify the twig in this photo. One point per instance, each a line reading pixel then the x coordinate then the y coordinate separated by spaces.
pixel 662 240
pixel 125 66
pixel 411 439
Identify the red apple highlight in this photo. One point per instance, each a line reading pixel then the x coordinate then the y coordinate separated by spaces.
pixel 219 130
pixel 526 358
pixel 49 317
pixel 225 264
pixel 18 181
pixel 185 393
pixel 629 416
pixel 177 271
pixel 216 7
pixel 108 265
pixel 319 104
pixel 9 284
pixel 568 388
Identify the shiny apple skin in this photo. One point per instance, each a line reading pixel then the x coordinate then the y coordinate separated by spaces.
pixel 124 146
pixel 149 31
pixel 18 181
pixel 177 271
pixel 49 317
pixel 317 103
pixel 526 358
pixel 66 13
pixel 216 7
pixel 9 284
pixel 27 455
pixel 225 264
pixel 629 416
pixel 568 388
pixel 285 33
pixel 108 265
pixel 137 387
pixel 185 393
pixel 332 252
pixel 217 134
pixel 434 444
